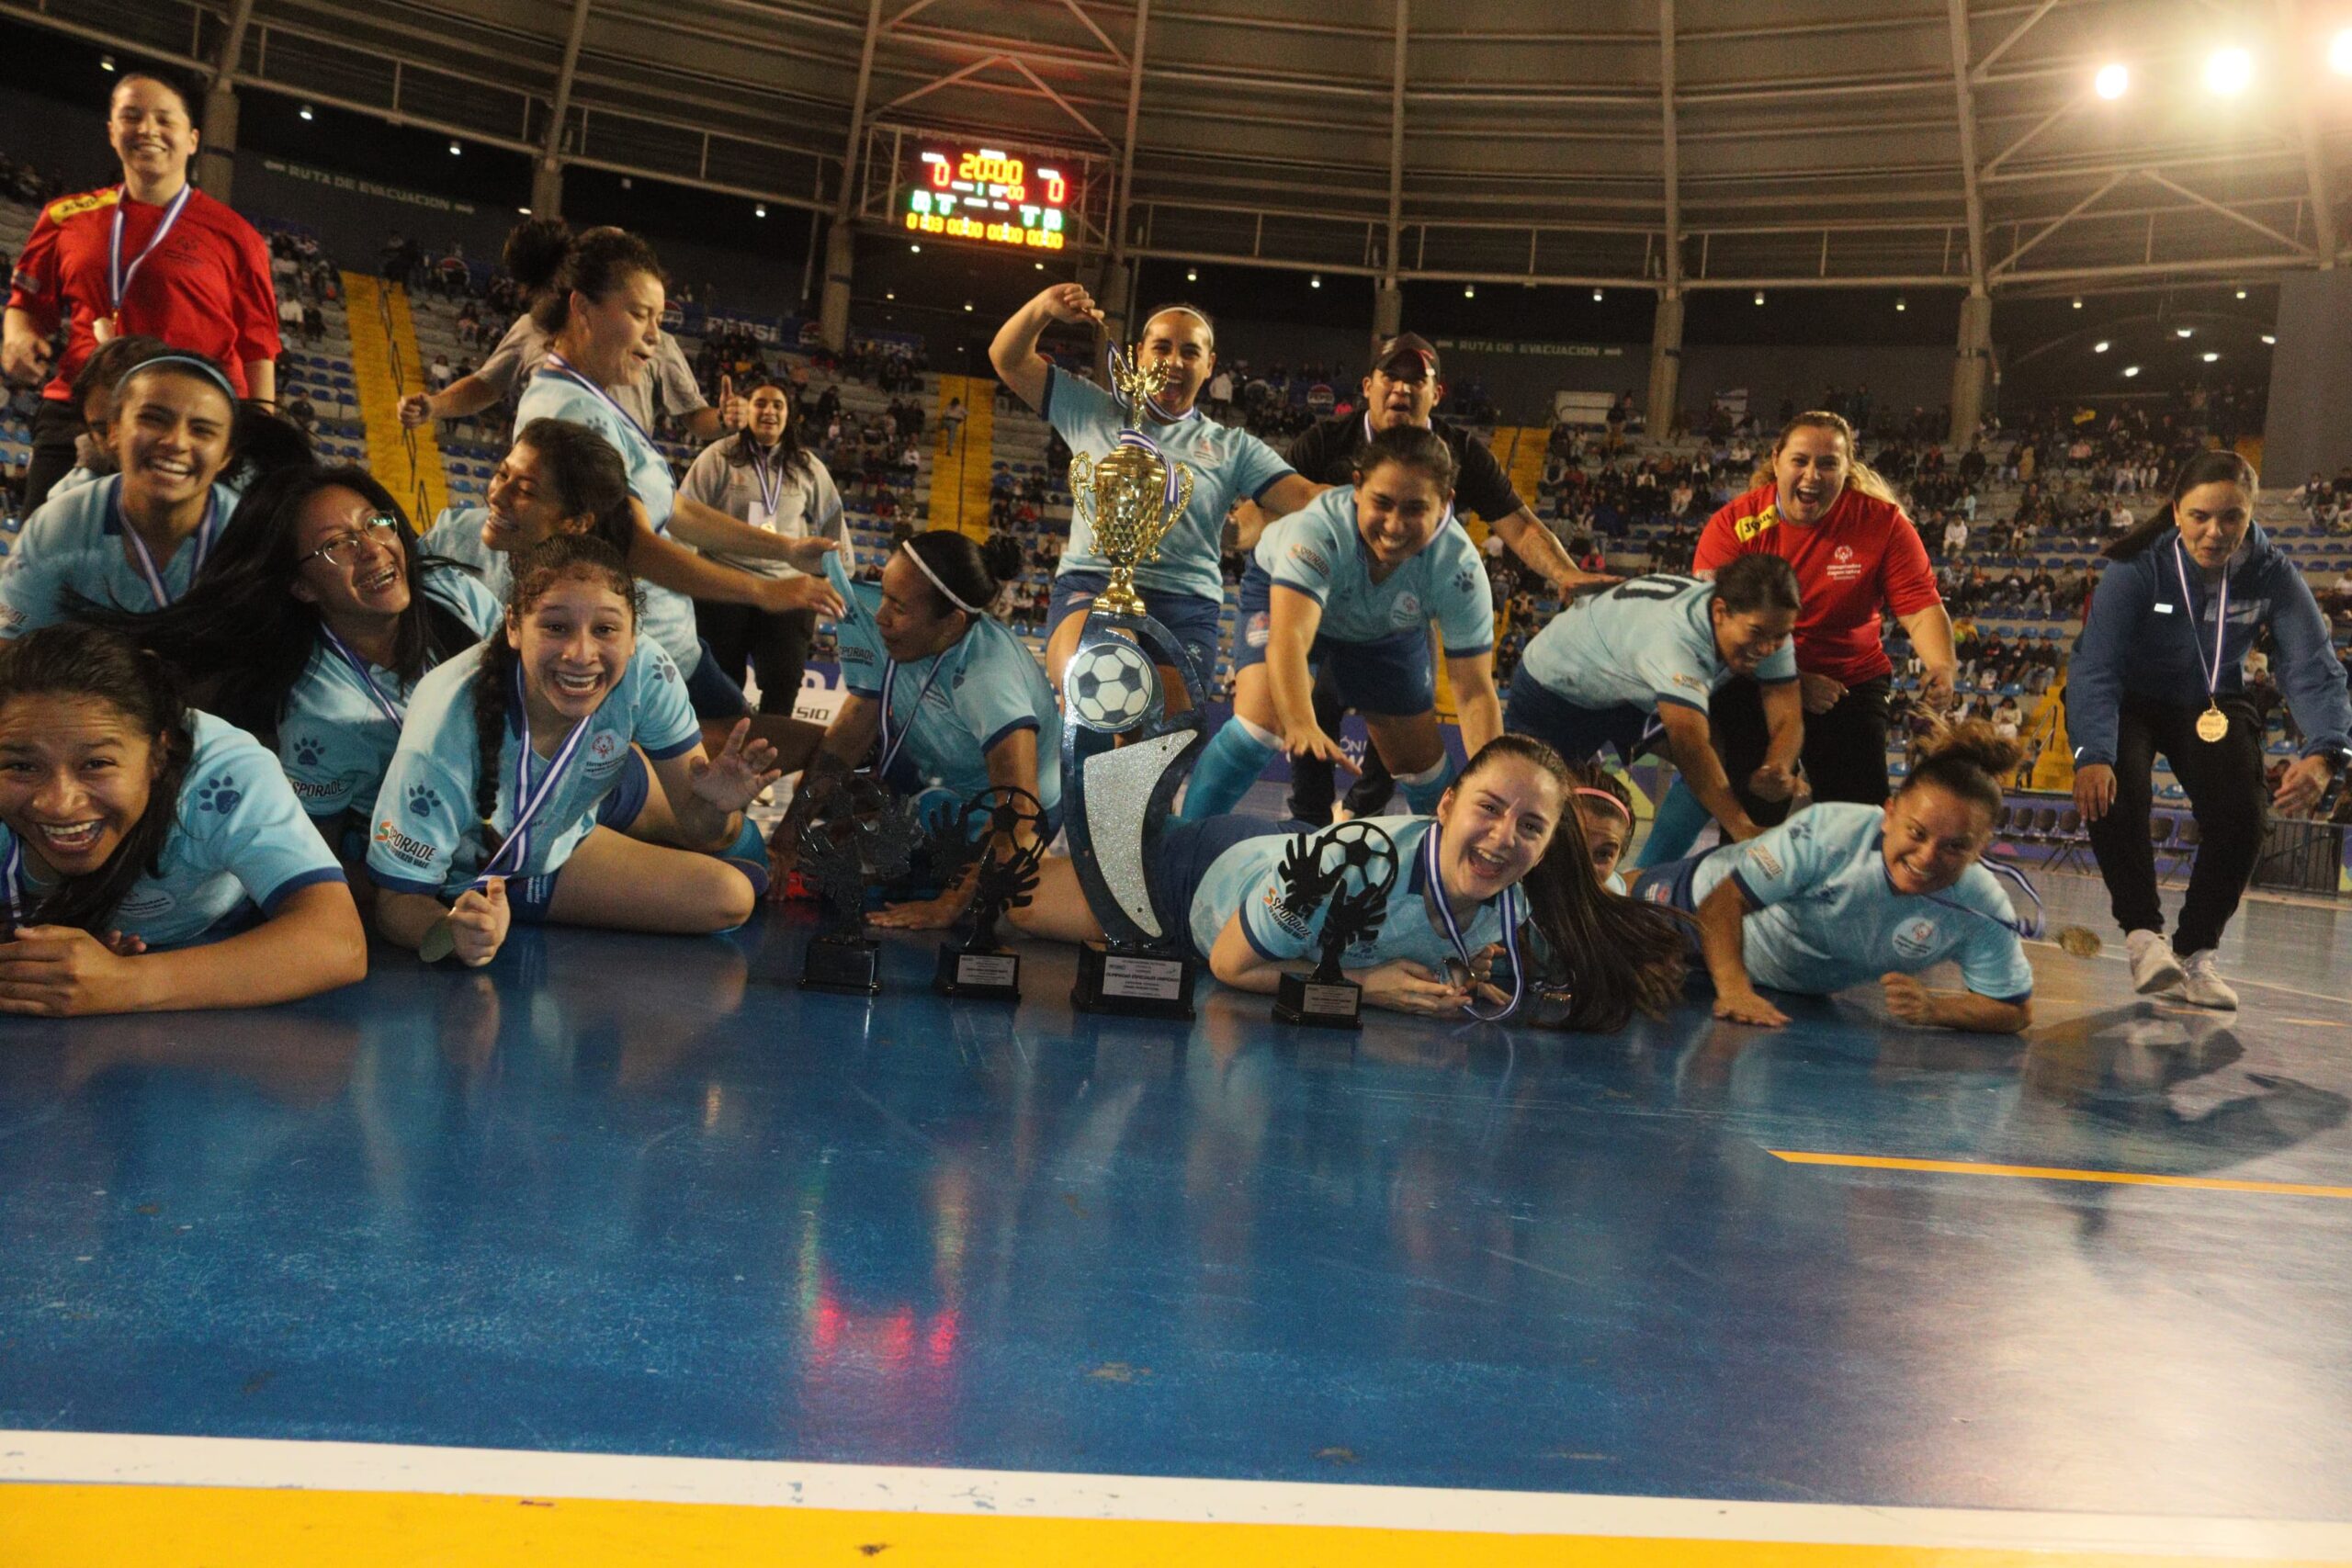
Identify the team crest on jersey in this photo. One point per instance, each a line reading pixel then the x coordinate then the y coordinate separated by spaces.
pixel 66 206
pixel 1257 630
pixel 1748 528
pixel 1845 553
pixel 605 751
pixel 1917 938
pixel 1406 611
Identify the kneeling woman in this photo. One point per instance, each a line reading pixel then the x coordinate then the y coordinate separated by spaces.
pixel 130 825
pixel 1843 894
pixel 1353 581
pixel 957 703
pixel 507 757
pixel 1500 864
pixel 1654 651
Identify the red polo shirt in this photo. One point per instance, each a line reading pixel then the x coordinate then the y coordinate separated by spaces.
pixel 1863 557
pixel 206 289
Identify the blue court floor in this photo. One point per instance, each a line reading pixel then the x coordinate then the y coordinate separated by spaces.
pixel 638 1196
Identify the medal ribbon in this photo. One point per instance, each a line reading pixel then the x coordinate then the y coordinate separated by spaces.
pixel 2221 624
pixel 563 368
pixel 771 482
pixel 890 682
pixel 1433 890
pixel 146 562
pixel 10 869
pixel 359 668
pixel 119 276
pixel 516 850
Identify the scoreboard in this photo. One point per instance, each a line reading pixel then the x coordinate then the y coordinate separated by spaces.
pixel 997 197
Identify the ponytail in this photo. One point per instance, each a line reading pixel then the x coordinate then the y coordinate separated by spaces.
pixel 1605 956
pixel 72 660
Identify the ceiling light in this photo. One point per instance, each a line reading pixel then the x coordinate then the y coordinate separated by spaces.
pixel 2230 72
pixel 2099 347
pixel 1469 291
pixel 2078 301
pixel 1596 295
pixel 2112 81
pixel 760 211
pixel 2210 356
pixel 1900 303
pixel 1759 297
pixel 2130 370
pixel 967 305
pixel 2267 338
pixel 455 150
pixel 523 210
pixel 2339 52
pixel 889 294
pixel 2183 331
pixel 1314 280
pixel 915 248
pixel 304 111
pixel 1192 275
pixel 106 62
pixel 1039 265
pixel 627 184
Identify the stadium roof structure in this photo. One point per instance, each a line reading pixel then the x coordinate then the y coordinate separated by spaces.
pixel 1658 143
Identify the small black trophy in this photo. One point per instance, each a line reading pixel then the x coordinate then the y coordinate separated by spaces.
pixel 987 839
pixel 863 834
pixel 1348 870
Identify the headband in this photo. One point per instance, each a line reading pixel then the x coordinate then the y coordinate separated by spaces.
pixel 925 567
pixel 1610 800
pixel 202 367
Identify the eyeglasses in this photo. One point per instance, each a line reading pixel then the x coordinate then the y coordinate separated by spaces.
pixel 380 530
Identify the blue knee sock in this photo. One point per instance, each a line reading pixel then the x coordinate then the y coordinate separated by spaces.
pixel 1229 765
pixel 1674 829
pixel 1425 789
pixel 749 854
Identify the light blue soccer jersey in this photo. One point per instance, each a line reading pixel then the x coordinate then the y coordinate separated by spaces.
pixel 668 617
pixel 1645 642
pixel 1247 879
pixel 427 837
pixel 1227 466
pixel 75 542
pixel 984 688
pixel 1316 551
pixel 1828 918
pixel 336 737
pixel 238 837
pixel 554 394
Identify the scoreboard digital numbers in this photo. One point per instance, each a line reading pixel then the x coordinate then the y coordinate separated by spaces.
pixel 983 194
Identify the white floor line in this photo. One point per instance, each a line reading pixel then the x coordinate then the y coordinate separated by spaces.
pixel 135 1460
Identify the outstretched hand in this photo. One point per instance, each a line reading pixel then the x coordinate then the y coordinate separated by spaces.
pixel 734 778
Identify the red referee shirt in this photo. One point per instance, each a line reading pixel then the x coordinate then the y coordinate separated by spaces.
pixel 1864 555
pixel 205 289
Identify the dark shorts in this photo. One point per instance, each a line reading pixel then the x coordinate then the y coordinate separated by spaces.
pixel 1187 850
pixel 1391 676
pixel 1578 734
pixel 1192 620
pixel 710 692
pixel 1674 882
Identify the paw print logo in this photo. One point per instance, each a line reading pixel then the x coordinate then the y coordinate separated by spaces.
pixel 422 802
pixel 1463 581
pixel 307 753
pixel 220 795
pixel 664 668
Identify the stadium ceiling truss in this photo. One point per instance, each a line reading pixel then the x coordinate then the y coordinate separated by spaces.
pixel 1643 143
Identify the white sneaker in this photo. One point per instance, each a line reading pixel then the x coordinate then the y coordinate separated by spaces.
pixel 2204 987
pixel 2154 968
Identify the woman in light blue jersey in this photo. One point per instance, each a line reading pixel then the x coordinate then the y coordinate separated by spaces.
pixel 945 701
pixel 498 804
pixel 1182 584
pixel 602 311
pixel 151 857
pixel 1498 870
pixel 1843 894
pixel 310 627
pixel 1350 585
pixel 1645 656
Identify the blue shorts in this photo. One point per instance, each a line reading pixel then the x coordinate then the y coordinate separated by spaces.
pixel 1186 851
pixel 1192 620
pixel 1391 676
pixel 710 692
pixel 1674 882
pixel 632 787
pixel 1578 734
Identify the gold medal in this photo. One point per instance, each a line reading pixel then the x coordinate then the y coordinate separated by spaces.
pixel 2080 941
pixel 102 328
pixel 439 942
pixel 2212 725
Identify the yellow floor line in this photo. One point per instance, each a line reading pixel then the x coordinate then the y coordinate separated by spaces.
pixel 2054 1173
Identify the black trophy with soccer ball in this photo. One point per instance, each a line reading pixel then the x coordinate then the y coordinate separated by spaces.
pixel 1347 871
pixel 861 835
pixel 1000 839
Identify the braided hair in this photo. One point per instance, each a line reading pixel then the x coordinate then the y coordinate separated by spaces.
pixel 565 555
pixel 70 659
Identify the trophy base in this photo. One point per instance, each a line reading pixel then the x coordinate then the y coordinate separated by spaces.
pixel 1138 985
pixel 848 964
pixel 988 976
pixel 1319 1004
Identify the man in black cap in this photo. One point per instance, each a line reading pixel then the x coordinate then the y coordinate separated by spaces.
pixel 1403 389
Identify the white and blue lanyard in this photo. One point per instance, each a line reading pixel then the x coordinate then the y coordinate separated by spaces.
pixel 119 276
pixel 1433 889
pixel 513 854
pixel 563 368
pixel 891 744
pixel 204 532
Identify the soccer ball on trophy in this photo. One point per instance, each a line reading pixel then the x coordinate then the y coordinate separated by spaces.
pixel 1352 862
pixel 1109 686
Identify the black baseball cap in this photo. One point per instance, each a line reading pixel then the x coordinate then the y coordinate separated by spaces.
pixel 1404 346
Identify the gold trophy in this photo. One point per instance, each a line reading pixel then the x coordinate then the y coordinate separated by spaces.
pixel 1132 496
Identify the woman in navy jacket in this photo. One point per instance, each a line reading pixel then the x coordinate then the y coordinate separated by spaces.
pixel 2159 669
